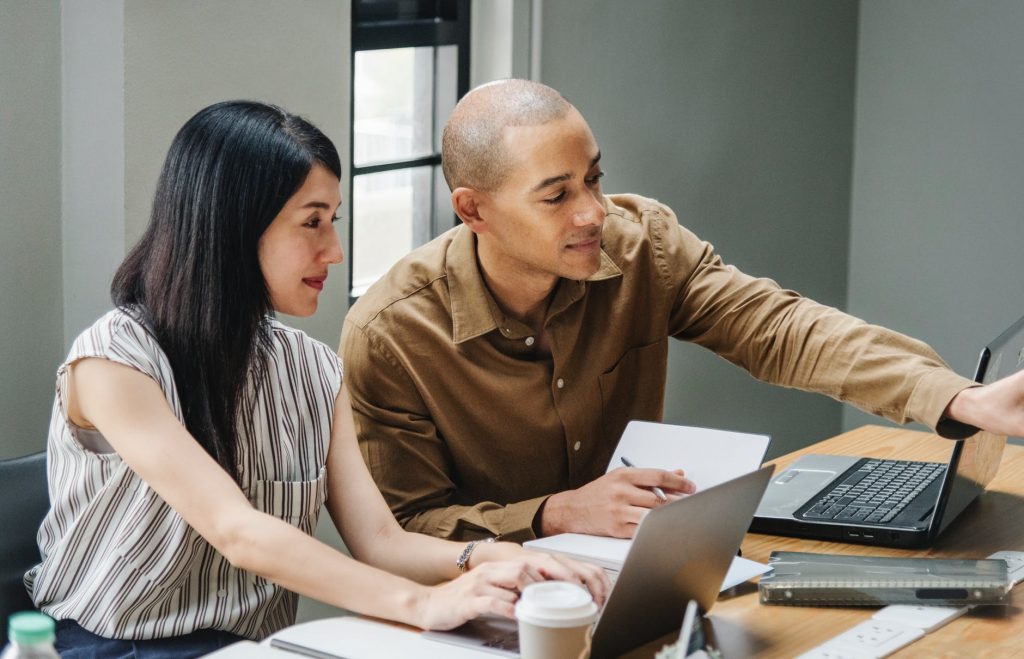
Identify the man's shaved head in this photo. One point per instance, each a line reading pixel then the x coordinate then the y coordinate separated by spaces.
pixel 472 150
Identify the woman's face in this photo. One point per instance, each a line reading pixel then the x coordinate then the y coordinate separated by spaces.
pixel 299 245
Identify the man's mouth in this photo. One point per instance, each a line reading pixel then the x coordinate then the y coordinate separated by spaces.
pixel 586 245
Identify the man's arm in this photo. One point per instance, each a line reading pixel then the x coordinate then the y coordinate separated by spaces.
pixel 783 338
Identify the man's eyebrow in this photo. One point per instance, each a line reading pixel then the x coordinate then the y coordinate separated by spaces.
pixel 561 177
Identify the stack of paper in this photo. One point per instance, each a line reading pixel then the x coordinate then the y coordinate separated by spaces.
pixel 708 457
pixel 610 553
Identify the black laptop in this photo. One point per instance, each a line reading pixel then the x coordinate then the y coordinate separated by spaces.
pixel 892 503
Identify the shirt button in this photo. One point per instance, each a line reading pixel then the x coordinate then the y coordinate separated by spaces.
pixel 576 446
pixel 222 593
pixel 560 383
pixel 529 340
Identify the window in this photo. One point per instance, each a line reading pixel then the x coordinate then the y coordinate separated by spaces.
pixel 410 64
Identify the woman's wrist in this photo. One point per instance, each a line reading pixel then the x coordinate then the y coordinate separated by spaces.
pixel 488 552
pixel 416 604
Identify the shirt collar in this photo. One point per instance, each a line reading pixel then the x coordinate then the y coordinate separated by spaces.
pixel 474 310
pixel 471 301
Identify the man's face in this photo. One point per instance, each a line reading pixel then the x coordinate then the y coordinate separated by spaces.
pixel 547 215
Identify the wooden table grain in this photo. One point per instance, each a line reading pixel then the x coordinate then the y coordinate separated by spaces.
pixel 995 521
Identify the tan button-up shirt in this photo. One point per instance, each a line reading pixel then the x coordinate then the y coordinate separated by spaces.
pixel 467 426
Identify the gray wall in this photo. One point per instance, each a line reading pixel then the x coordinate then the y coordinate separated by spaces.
pixel 739 116
pixel 93 164
pixel 30 220
pixel 182 56
pixel 937 218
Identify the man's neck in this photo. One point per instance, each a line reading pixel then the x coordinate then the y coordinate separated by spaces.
pixel 522 293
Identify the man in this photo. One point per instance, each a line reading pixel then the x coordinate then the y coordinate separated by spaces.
pixel 493 370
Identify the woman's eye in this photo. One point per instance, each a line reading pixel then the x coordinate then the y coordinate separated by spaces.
pixel 591 180
pixel 313 223
pixel 556 199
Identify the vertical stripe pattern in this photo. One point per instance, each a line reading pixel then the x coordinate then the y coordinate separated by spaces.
pixel 119 560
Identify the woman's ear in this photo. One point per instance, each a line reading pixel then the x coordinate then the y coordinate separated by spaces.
pixel 466 202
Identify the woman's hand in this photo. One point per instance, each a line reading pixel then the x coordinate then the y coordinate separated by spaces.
pixel 489 589
pixel 496 578
pixel 551 567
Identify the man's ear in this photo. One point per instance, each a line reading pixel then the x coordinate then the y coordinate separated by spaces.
pixel 466 202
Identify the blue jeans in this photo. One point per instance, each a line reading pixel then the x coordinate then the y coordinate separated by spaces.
pixel 73 642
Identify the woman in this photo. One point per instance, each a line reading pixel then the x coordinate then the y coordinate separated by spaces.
pixel 194 438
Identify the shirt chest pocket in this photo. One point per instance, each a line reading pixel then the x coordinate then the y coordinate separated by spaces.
pixel 634 388
pixel 296 502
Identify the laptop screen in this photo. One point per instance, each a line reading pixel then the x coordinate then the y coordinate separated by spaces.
pixel 979 455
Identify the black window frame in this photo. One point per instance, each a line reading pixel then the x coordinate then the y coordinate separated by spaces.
pixel 385 24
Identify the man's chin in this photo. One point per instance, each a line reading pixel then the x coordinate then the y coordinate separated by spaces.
pixel 583 271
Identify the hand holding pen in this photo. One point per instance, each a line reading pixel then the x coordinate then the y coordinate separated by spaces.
pixel 658 492
pixel 612 504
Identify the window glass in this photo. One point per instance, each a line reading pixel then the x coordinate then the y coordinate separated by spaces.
pixel 393 112
pixel 390 215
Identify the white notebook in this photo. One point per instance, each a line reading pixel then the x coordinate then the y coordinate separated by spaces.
pixel 708 456
pixel 610 553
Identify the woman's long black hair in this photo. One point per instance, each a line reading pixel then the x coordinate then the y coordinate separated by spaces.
pixel 194 277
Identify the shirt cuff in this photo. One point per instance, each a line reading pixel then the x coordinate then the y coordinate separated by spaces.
pixel 518 525
pixel 932 396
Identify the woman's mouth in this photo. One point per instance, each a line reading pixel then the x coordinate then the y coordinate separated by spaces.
pixel 314 282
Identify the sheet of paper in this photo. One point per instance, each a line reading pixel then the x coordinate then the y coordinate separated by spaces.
pixel 708 456
pixel 358 638
pixel 600 550
pixel 610 553
pixel 742 569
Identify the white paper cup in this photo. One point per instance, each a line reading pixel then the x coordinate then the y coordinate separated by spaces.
pixel 554 620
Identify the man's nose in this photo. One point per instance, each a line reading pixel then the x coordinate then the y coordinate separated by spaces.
pixel 590 212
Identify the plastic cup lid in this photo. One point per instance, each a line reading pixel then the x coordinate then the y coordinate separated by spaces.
pixel 30 627
pixel 556 604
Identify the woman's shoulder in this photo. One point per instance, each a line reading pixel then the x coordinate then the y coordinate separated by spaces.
pixel 120 334
pixel 291 339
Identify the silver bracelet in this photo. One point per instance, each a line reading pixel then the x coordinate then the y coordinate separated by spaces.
pixel 463 562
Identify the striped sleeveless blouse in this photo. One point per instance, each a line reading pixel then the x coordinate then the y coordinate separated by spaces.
pixel 120 561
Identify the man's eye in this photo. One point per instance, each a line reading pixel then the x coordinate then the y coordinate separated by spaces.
pixel 556 199
pixel 591 180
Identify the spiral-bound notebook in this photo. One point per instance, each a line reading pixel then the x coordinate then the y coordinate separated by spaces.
pixel 807 579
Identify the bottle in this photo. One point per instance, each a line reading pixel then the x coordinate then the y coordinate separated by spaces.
pixel 31 634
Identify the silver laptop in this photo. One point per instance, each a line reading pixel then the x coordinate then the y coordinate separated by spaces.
pixel 892 503
pixel 681 552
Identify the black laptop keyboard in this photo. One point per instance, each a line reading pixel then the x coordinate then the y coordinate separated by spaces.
pixel 876 492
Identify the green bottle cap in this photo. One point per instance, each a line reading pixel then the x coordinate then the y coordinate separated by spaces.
pixel 30 627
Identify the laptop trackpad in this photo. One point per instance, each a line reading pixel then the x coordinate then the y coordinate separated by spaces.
pixel 488 633
pixel 794 486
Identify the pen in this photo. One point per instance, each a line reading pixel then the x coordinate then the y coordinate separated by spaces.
pixel 657 490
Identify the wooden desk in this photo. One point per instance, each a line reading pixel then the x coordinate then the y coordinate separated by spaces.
pixel 995 521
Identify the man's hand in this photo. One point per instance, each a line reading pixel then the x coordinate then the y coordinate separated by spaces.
pixel 613 504
pixel 996 407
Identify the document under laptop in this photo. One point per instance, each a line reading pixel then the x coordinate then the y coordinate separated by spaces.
pixel 892 503
pixel 681 552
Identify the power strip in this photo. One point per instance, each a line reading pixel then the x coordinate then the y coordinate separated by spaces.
pixel 898 625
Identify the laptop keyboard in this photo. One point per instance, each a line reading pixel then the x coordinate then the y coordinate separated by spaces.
pixel 877 492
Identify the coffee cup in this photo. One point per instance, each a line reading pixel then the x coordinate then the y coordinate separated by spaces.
pixel 554 620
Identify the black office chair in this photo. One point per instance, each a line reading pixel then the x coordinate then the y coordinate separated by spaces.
pixel 24 501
